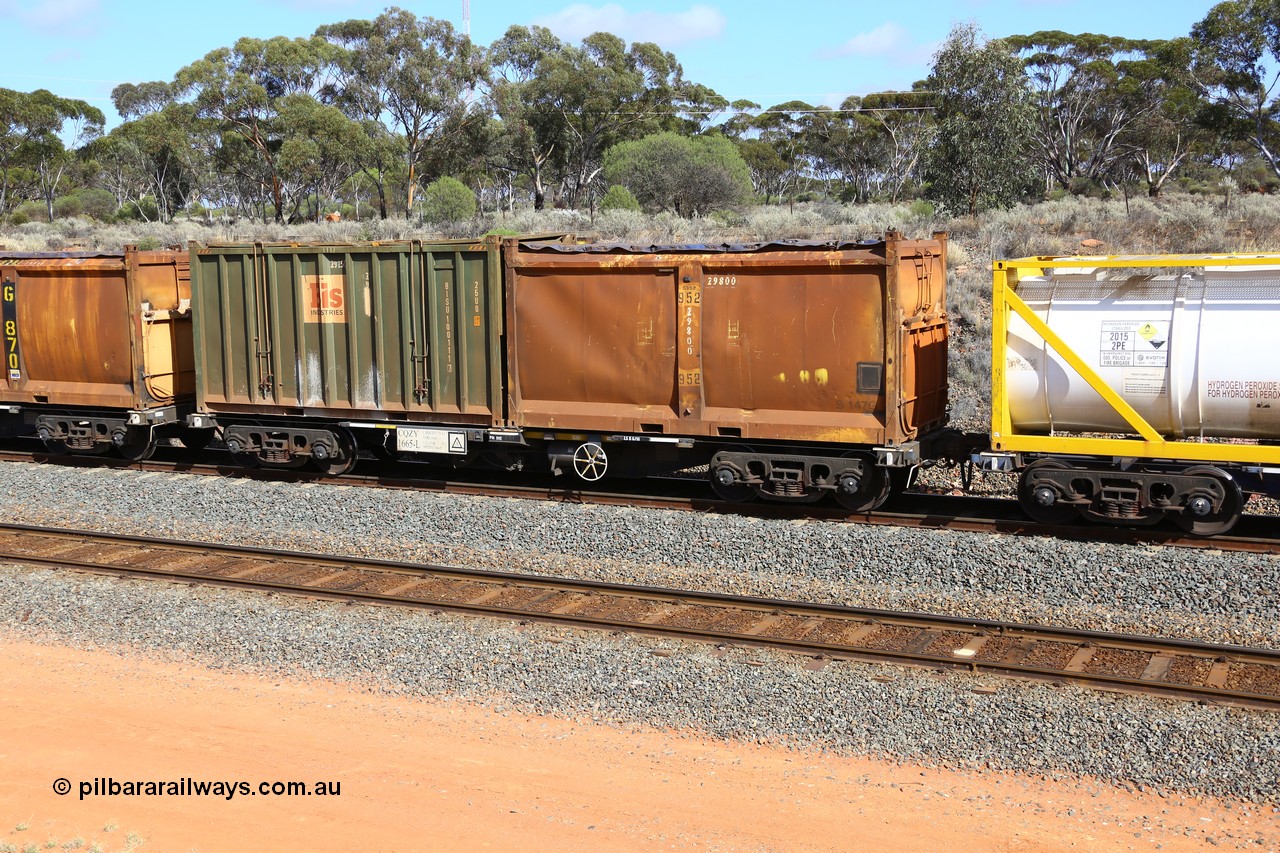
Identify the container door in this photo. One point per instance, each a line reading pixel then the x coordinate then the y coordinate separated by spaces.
pixel 595 348
pixel 798 351
pixel 67 332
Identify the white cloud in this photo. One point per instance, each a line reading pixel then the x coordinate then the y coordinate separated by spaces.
pixel 59 16
pixel 890 41
pixel 886 39
pixel 666 28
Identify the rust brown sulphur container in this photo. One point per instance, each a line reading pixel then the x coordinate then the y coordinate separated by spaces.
pixel 96 330
pixel 837 342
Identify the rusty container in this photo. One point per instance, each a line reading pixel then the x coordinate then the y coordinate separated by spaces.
pixel 835 342
pixel 405 330
pixel 97 330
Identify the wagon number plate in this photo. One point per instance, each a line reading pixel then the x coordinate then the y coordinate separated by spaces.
pixel 419 440
pixel 9 315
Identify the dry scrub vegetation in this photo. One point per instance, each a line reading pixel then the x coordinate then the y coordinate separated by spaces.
pixel 1175 224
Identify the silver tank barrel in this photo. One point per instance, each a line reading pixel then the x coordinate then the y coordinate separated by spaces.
pixel 1197 353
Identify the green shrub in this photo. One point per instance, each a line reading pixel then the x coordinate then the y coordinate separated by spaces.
pixel 86 201
pixel 619 197
pixel 448 200
pixel 30 211
pixel 921 209
pixel 140 210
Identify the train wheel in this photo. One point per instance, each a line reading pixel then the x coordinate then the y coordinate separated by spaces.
pixel 590 461
pixel 865 491
pixel 240 457
pixel 54 448
pixel 195 439
pixel 338 467
pixel 733 492
pixel 1212 523
pixel 1040 500
pixel 134 444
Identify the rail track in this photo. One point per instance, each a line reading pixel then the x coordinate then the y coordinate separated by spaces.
pixel 1254 534
pixel 1186 669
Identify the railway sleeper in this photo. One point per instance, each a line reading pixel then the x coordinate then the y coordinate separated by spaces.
pixel 1201 499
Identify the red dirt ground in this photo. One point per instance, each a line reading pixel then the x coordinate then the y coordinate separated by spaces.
pixel 431 775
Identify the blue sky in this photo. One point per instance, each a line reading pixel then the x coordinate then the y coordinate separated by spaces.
pixel 768 52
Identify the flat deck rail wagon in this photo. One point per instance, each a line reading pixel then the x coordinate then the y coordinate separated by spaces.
pixel 794 370
pixel 1131 389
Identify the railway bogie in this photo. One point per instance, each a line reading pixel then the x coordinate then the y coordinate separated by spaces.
pixel 852 478
pixel 1201 499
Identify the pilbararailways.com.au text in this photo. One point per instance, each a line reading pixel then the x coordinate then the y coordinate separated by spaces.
pixel 188 787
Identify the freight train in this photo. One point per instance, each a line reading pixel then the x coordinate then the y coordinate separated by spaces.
pixel 1126 390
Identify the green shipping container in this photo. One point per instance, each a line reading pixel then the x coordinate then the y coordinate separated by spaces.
pixel 406 331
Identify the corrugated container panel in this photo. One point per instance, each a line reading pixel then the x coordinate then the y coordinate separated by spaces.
pixel 107 330
pixel 399 329
pixel 833 342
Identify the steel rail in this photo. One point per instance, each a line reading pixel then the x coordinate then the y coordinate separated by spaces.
pixel 1171 667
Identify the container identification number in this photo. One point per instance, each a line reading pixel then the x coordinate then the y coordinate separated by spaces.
pixel 9 313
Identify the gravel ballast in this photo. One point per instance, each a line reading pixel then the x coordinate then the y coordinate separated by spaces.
pixel 1202 595
pixel 749 694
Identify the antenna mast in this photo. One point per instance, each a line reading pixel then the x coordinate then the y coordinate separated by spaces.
pixel 466 18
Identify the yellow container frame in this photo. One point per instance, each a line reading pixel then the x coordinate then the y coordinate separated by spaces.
pixel 1148 444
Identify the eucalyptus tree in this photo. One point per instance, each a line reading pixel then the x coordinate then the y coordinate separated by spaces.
pixel 241 90
pixel 981 157
pixel 534 133
pixel 563 105
pixel 1237 67
pixel 904 125
pixel 605 93
pixel 1171 127
pixel 1088 100
pixel 323 149
pixel 121 169
pixel 162 143
pixel 32 125
pixel 52 117
pixel 848 152
pixel 770 174
pixel 777 143
pixel 415 75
